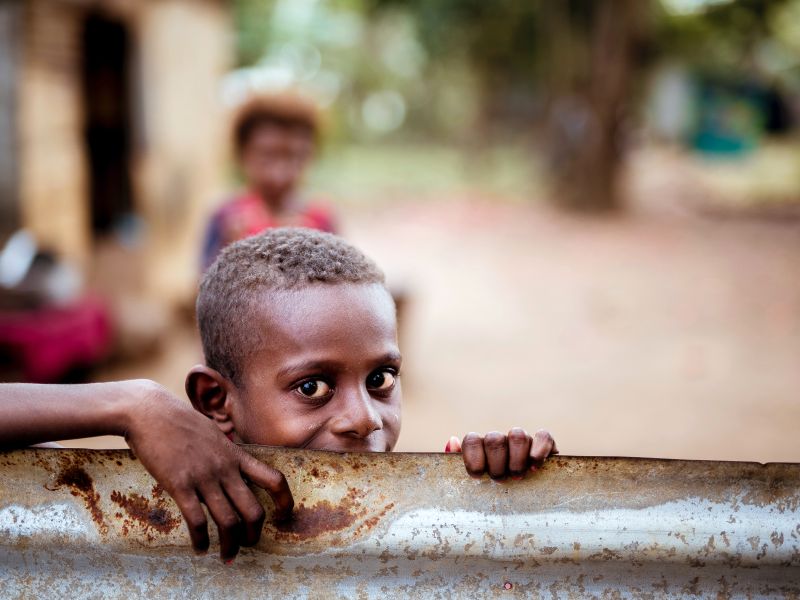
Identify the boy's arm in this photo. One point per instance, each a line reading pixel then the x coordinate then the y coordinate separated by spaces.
pixel 183 450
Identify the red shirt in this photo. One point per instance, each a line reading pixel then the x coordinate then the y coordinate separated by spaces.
pixel 247 215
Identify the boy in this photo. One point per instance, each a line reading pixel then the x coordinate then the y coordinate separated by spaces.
pixel 274 139
pixel 300 341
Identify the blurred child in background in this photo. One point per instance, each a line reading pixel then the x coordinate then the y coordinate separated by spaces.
pixel 274 138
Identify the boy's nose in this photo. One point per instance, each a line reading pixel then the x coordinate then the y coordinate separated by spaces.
pixel 358 418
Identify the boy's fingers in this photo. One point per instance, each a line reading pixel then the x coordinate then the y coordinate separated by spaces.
pixel 250 510
pixel 272 481
pixel 453 445
pixel 496 447
pixel 519 447
pixel 472 452
pixel 542 446
pixel 228 523
pixel 195 517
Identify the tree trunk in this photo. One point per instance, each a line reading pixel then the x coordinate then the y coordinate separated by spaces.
pixel 594 71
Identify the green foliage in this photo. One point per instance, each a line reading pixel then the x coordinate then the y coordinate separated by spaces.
pixel 451 73
pixel 251 21
pixel 724 38
pixel 507 44
pixel 498 37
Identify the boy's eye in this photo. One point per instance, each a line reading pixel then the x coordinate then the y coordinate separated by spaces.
pixel 381 380
pixel 315 388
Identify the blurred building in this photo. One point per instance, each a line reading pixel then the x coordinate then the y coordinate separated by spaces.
pixel 110 127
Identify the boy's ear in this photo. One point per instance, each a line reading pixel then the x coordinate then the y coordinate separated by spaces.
pixel 209 392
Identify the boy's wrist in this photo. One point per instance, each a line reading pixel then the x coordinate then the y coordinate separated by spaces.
pixel 134 398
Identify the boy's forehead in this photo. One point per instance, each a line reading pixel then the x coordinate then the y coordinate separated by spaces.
pixel 345 324
pixel 319 310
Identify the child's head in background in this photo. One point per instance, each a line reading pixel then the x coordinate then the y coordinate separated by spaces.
pixel 274 138
pixel 300 339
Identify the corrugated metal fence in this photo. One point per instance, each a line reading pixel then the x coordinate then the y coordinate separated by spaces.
pixel 79 523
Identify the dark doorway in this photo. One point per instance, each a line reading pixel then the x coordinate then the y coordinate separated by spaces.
pixel 107 99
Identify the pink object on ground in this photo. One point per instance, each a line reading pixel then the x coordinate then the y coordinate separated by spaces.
pixel 49 342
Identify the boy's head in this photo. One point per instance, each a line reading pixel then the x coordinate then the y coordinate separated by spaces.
pixel 274 137
pixel 300 340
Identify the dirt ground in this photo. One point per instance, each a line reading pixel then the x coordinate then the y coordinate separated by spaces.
pixel 660 333
pixel 643 336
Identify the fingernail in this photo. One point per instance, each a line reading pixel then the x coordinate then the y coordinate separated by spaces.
pixel 516 477
pixel 447 447
pixel 228 561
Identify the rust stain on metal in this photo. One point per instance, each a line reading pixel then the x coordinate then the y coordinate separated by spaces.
pixel 75 477
pixel 315 472
pixel 151 515
pixel 310 521
pixel 322 517
pixel 373 521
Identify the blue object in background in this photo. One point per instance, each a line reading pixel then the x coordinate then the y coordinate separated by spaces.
pixel 731 117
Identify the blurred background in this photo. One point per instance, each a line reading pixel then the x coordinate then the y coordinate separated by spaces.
pixel 592 207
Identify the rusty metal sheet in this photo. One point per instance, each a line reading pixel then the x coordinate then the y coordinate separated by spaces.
pixel 79 523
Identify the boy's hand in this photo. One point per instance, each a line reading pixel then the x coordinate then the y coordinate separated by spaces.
pixel 194 462
pixel 503 455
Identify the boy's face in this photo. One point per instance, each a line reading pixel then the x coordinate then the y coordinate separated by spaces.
pixel 273 160
pixel 327 376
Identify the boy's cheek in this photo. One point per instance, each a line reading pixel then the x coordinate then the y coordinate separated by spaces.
pixel 393 429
